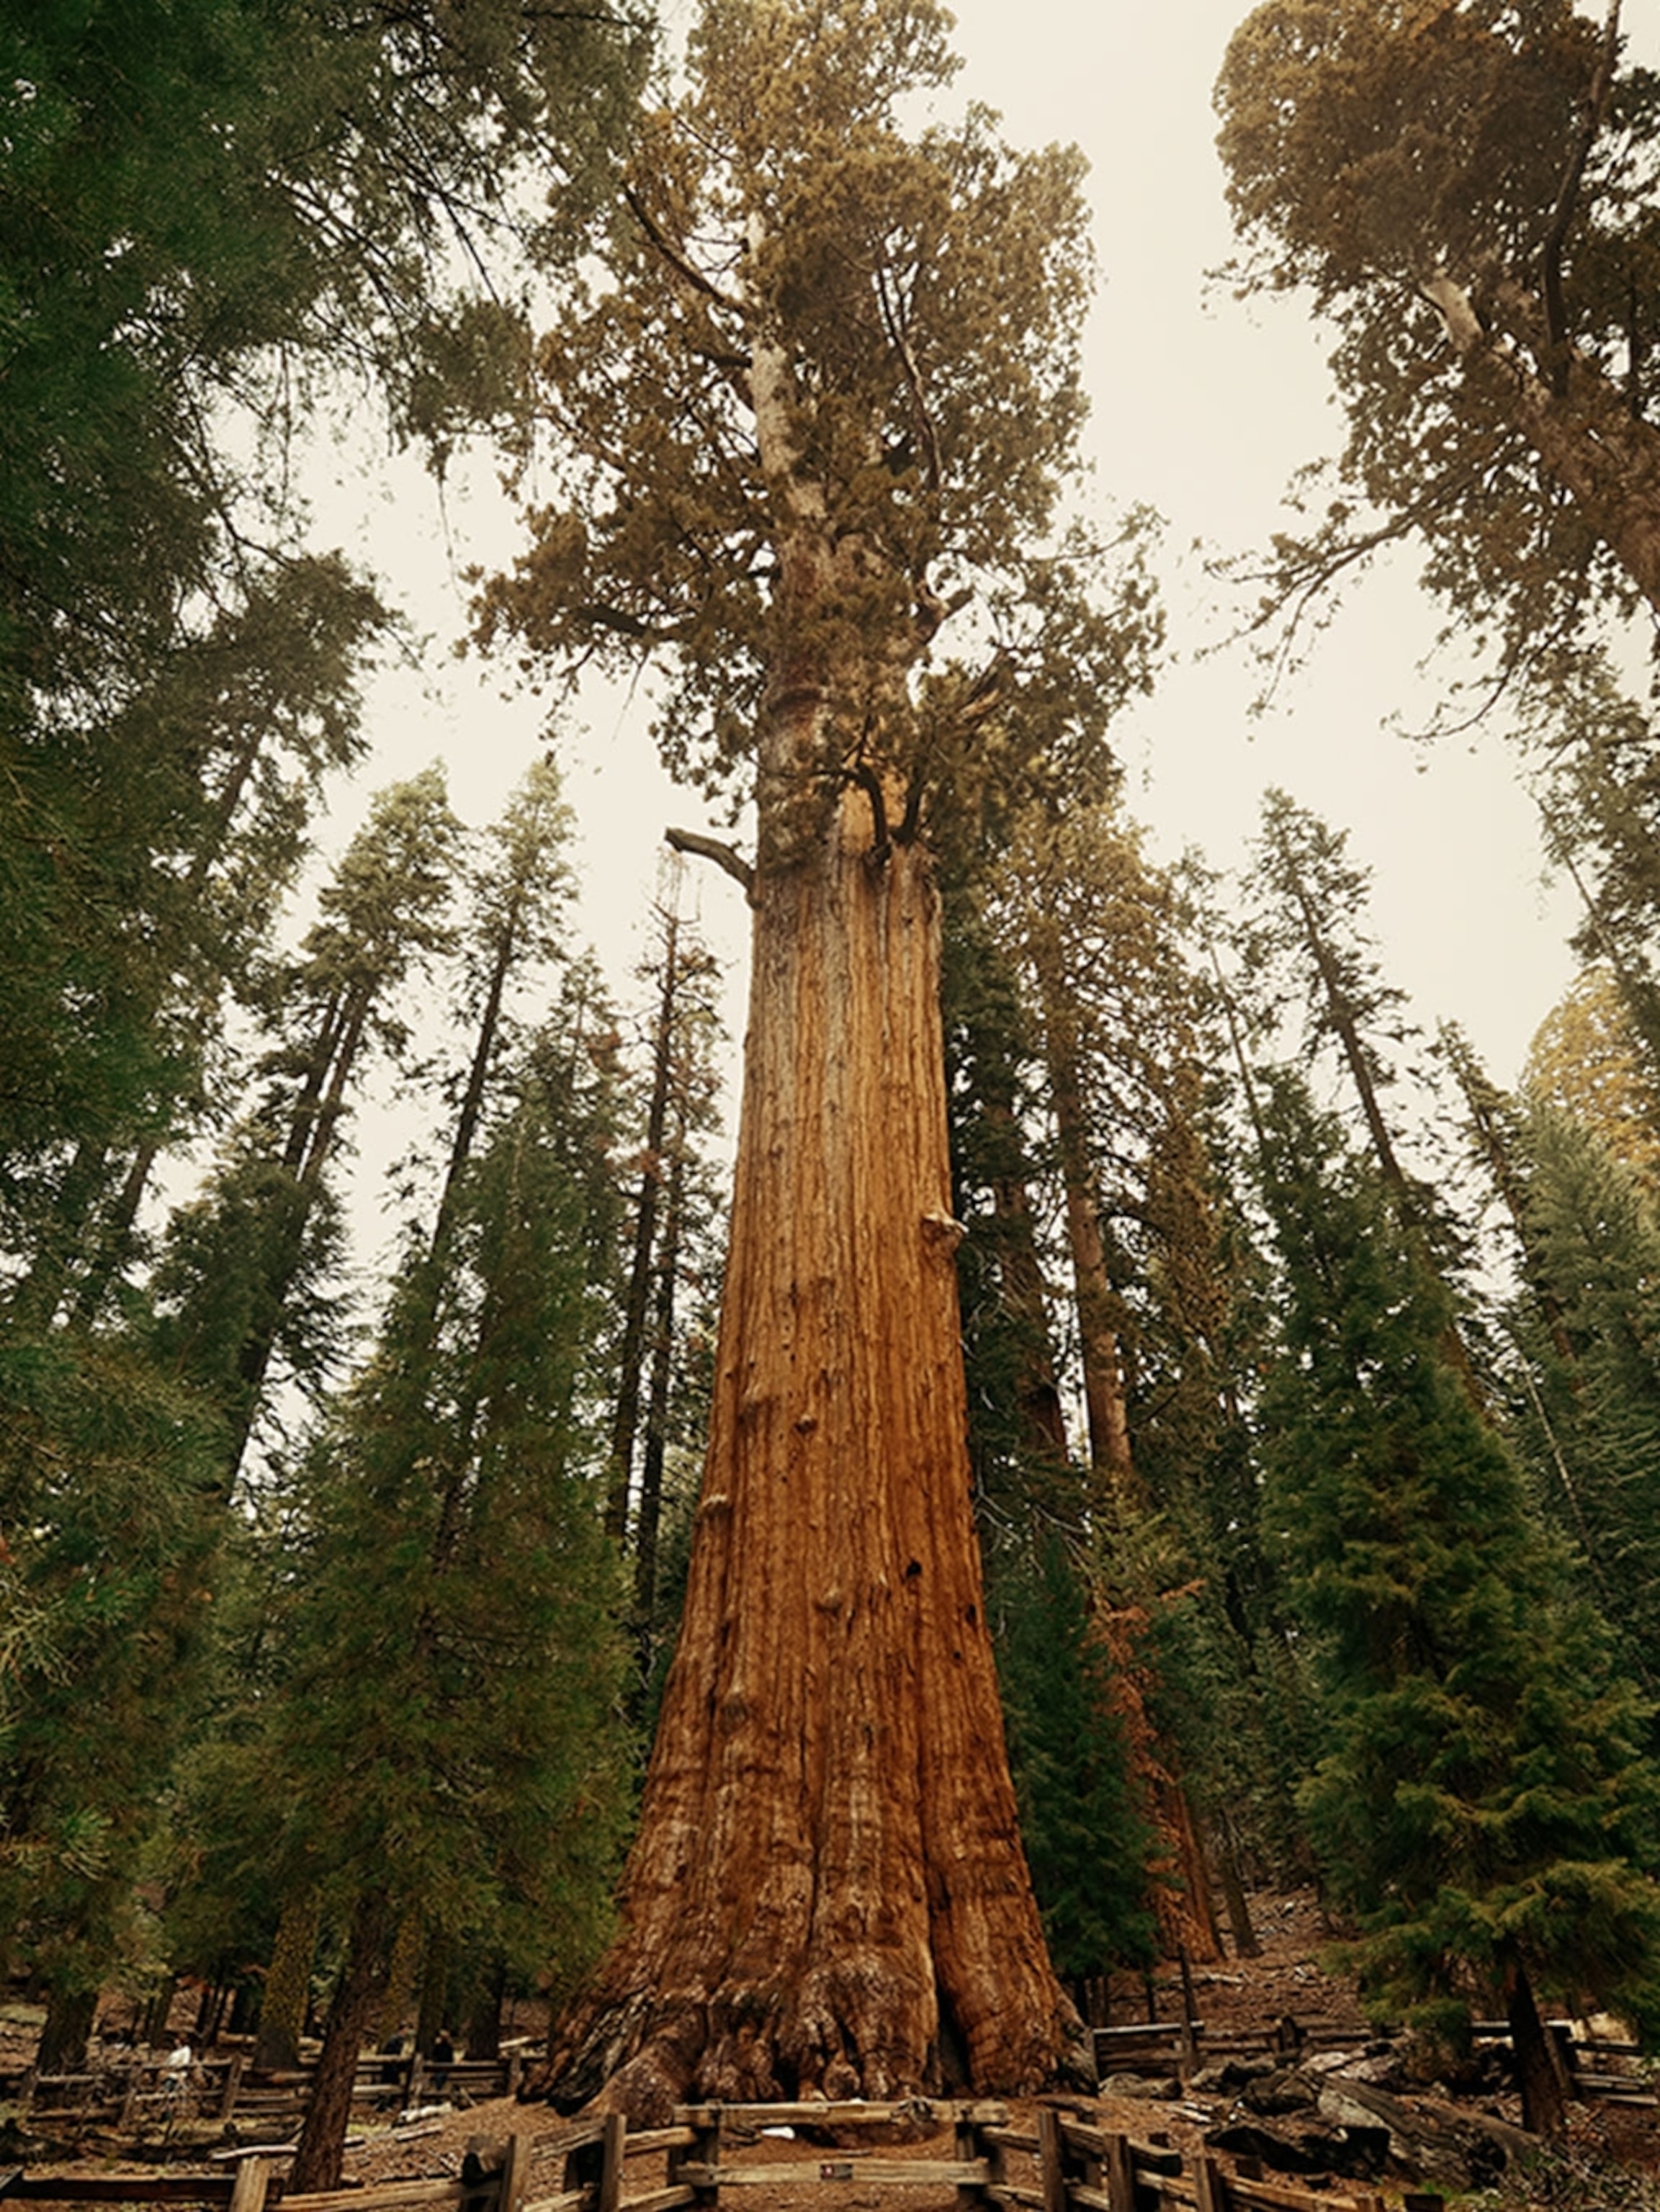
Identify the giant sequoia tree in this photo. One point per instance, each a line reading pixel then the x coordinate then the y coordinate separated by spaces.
pixel 820 414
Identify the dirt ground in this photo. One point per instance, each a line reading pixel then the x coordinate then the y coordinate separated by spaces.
pixel 1291 1976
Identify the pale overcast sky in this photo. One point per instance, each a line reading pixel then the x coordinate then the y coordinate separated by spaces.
pixel 1201 408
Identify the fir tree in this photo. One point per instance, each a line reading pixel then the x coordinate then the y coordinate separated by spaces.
pixel 1087 1835
pixel 1588 1326
pixel 1482 1808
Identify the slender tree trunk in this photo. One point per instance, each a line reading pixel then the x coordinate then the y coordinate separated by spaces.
pixel 648 1522
pixel 406 1949
pixel 1240 1927
pixel 437 1962
pixel 1538 2071
pixel 484 2009
pixel 828 1890
pixel 1179 1880
pixel 1026 1300
pixel 1110 1457
pixel 288 1986
pixel 637 1300
pixel 362 1980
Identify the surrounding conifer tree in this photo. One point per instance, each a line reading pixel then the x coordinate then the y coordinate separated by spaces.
pixel 1088 1841
pixel 1482 1806
pixel 1586 1325
pixel 244 1274
pixel 211 217
pixel 1087 1834
pixel 110 1544
pixel 1093 928
pixel 1312 959
pixel 1588 1060
pixel 453 1751
pixel 1467 190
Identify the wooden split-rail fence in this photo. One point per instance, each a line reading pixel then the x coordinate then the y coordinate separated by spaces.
pixel 710 2153
pixel 128 2094
pixel 1600 2067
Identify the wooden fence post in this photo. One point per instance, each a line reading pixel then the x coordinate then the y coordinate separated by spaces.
pixel 516 2071
pixel 233 2083
pixel 1121 2174
pixel 1051 2157
pixel 612 2144
pixel 972 2147
pixel 706 2151
pixel 1210 2184
pixel 515 2174
pixel 124 2119
pixel 248 2191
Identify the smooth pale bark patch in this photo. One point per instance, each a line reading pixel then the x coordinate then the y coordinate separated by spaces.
pixel 829 1892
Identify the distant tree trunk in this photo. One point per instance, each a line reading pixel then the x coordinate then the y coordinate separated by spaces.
pixel 1179 1879
pixel 1105 1406
pixel 637 1302
pixel 1022 1278
pixel 435 1965
pixel 1245 1944
pixel 648 1522
pixel 65 2031
pixel 1538 2071
pixel 288 1986
pixel 828 1892
pixel 362 1979
pixel 483 2039
pixel 406 1949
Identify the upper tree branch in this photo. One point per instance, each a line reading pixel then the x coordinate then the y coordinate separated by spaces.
pixel 686 271
pixel 1550 253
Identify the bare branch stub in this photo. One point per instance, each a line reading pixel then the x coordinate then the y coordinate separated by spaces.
pixel 711 849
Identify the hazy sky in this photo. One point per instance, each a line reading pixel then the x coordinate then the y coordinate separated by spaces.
pixel 1201 408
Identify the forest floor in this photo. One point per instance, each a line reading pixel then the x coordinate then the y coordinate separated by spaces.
pixel 1612 2163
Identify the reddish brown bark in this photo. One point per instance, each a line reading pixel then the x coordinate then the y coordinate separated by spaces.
pixel 1110 1458
pixel 1179 1878
pixel 828 1890
pixel 318 2155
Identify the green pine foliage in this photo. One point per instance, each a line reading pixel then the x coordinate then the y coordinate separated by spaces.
pixel 1482 1801
pixel 456 1743
pixel 244 1272
pixel 1591 1418
pixel 110 1553
pixel 1087 1837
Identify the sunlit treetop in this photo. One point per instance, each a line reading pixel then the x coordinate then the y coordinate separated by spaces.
pixel 825 400
pixel 1466 190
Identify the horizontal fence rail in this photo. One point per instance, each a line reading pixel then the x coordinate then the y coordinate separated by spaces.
pixel 127 2093
pixel 712 2152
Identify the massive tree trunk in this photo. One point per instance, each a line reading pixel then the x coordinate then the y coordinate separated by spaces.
pixel 828 1890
